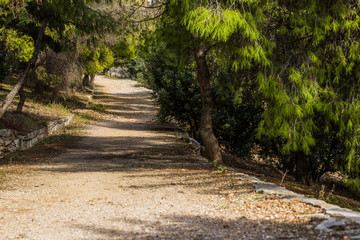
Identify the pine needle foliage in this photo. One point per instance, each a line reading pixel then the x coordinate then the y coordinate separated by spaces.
pixel 219 22
pixel 314 77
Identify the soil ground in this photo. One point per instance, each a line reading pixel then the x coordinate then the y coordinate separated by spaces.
pixel 131 178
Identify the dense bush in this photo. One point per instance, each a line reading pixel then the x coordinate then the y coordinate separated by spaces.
pixel 15 50
pixel 174 86
pixel 58 73
pixel 177 93
pixel 326 155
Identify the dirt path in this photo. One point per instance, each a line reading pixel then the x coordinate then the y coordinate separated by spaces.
pixel 131 179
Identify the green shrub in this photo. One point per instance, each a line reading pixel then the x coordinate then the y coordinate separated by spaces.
pixel 175 89
pixel 353 185
pixel 97 107
pixel 174 86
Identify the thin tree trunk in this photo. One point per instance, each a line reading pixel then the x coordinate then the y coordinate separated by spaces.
pixel 92 82
pixel 302 167
pixel 85 81
pixel 10 97
pixel 22 100
pixel 212 149
pixel 55 95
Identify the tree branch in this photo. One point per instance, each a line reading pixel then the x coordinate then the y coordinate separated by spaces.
pixel 138 7
pixel 148 19
pixel 300 39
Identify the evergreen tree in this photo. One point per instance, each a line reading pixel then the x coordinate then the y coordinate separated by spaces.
pixel 212 25
pixel 312 86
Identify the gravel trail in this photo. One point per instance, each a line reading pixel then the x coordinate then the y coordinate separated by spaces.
pixel 130 178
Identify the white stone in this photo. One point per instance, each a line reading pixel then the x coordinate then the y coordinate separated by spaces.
pixel 7 142
pixel 5 132
pixel 17 143
pixel 29 140
pixel 12 148
pixel 326 225
pixel 31 135
pixel 271 188
pixel 41 137
pixel 43 130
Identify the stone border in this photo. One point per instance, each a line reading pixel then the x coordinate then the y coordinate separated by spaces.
pixel 335 216
pixel 11 140
pixel 337 219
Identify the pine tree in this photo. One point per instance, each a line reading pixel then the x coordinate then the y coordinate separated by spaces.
pixel 212 25
pixel 312 86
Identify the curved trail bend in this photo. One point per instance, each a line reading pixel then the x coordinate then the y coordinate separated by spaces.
pixel 129 178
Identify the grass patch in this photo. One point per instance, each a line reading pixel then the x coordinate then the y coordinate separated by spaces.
pixel 86 118
pixel 97 107
pixel 2 175
pixel 58 109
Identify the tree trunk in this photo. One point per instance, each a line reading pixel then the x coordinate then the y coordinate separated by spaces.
pixel 55 95
pixel 85 81
pixel 212 149
pixel 22 100
pixel 10 97
pixel 302 167
pixel 92 81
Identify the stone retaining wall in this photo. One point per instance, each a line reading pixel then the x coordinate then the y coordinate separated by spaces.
pixel 11 140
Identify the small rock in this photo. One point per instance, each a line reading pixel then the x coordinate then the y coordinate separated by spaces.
pixel 326 225
pixel 12 147
pixel 7 142
pixel 5 132
pixel 17 143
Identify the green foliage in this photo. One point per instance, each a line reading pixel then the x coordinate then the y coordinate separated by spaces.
pixel 15 49
pixel 125 50
pixel 19 46
pixel 236 23
pixel 221 169
pixel 2 175
pixel 219 25
pixel 97 107
pixel 177 93
pixel 262 177
pixel 353 185
pixel 96 59
pixel 174 86
pixel 5 67
pixel 58 109
pixel 304 57
pixel 52 80
pixel 236 113
pixel 311 95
